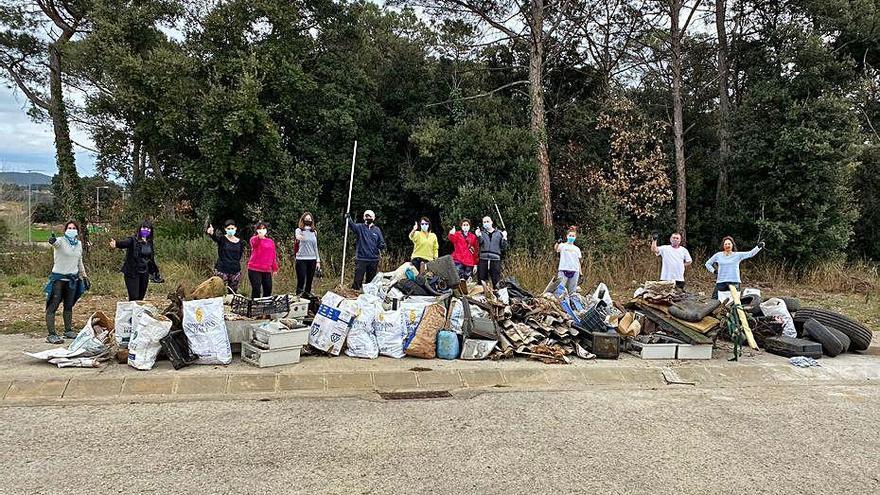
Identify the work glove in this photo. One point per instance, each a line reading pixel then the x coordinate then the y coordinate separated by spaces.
pixel 157 279
pixel 52 238
pixel 654 236
pixel 504 234
pixel 452 231
pixel 761 245
pixel 559 241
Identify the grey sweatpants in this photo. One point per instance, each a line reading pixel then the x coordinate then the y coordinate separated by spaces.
pixel 569 283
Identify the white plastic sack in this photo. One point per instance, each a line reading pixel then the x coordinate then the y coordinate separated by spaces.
pixel 144 345
pixel 390 332
pixel 329 329
pixel 776 307
pixel 750 292
pixel 123 322
pixel 90 340
pixel 361 341
pixel 331 299
pixel 137 310
pixel 456 316
pixel 602 289
pixel 724 296
pixel 205 329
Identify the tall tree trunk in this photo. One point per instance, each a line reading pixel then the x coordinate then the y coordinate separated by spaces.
pixel 677 125
pixel 723 102
pixel 537 123
pixel 68 187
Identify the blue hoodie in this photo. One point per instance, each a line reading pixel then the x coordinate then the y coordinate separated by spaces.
pixel 369 241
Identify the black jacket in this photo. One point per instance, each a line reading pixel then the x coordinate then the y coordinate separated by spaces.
pixel 134 257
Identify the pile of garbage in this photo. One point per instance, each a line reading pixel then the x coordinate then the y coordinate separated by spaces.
pixel 434 314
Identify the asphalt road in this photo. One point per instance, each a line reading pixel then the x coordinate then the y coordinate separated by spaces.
pixel 673 440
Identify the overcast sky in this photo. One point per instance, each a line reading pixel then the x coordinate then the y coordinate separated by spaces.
pixel 26 145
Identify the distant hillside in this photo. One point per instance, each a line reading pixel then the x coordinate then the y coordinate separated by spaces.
pixel 25 178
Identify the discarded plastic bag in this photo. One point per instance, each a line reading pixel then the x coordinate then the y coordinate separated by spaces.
pixel 331 299
pixel 411 311
pixel 776 307
pixel 602 294
pixel 361 341
pixel 424 342
pixel 123 322
pixel 389 330
pixel 724 296
pixel 205 329
pixel 91 341
pixel 144 345
pixel 329 329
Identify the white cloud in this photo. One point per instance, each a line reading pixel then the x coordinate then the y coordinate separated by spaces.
pixel 28 145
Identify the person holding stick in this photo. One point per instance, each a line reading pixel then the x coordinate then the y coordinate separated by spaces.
pixel 370 242
pixel 493 243
pixel 425 245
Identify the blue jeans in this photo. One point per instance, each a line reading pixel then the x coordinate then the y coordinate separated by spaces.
pixel 723 287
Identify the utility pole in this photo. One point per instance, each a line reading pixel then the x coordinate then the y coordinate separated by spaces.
pixel 98 202
pixel 30 214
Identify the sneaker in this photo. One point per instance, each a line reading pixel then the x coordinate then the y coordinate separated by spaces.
pixel 54 339
pixel 70 334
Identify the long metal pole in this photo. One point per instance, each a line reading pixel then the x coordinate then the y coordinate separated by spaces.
pixel 30 216
pixel 98 203
pixel 347 213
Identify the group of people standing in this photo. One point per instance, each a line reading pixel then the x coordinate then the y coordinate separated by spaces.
pixel 479 251
pixel 724 263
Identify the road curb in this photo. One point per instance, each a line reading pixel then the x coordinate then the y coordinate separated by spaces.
pixel 231 386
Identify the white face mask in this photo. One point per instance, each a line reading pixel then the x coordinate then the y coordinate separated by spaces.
pixel 71 233
pixel 465 228
pixel 487 225
pixel 261 231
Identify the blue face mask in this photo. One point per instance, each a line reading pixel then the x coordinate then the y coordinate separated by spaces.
pixel 571 239
pixel 231 232
pixel 71 234
pixel 487 225
pixel 425 227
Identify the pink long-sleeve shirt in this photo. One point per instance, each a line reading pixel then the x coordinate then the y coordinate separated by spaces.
pixel 263 255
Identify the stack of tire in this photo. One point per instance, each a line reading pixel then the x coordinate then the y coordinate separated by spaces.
pixel 836 332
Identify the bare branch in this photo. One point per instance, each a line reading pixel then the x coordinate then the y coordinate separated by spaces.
pixel 481 95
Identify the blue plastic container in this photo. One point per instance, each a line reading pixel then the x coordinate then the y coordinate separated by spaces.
pixel 448 346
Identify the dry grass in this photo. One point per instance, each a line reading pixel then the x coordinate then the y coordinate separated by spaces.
pixel 853 289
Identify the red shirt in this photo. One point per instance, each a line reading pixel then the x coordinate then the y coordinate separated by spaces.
pixel 466 249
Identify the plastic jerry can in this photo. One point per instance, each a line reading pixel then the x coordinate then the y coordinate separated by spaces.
pixel 448 346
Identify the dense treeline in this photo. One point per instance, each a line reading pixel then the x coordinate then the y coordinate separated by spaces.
pixel 751 118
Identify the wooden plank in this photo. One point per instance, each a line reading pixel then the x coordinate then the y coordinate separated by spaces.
pixel 667 323
pixel 743 321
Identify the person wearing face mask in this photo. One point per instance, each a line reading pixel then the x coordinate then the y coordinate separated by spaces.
pixel 370 242
pixel 229 252
pixel 675 258
pixel 307 259
pixel 67 282
pixel 465 249
pixel 425 245
pixel 569 271
pixel 728 260
pixel 140 261
pixel 263 263
pixel 493 243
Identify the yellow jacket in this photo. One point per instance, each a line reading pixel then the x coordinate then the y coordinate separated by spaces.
pixel 425 245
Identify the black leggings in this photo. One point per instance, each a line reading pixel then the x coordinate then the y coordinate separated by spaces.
pixel 136 285
pixel 261 284
pixel 62 291
pixel 362 270
pixel 305 274
pixel 489 269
